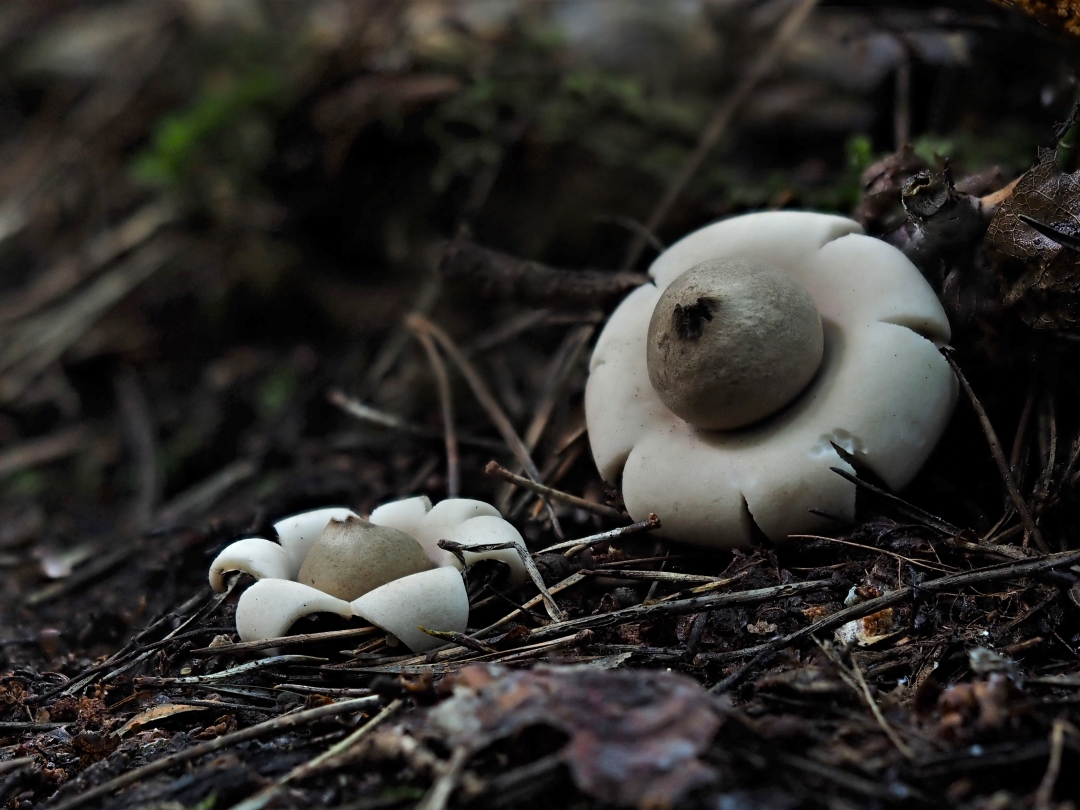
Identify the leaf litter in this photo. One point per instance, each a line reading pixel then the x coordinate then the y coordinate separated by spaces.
pixel 202 328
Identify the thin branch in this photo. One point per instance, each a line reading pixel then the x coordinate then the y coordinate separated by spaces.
pixel 647 525
pixel 285 641
pixel 373 416
pixel 496 470
pixel 570 581
pixel 999 459
pixel 42 450
pixel 662 576
pixel 140 430
pixel 992 573
pixel 417 322
pixel 492 274
pixel 553 609
pixel 902 506
pixel 272 726
pixel 720 122
pixel 864 691
pixel 446 402
pixel 681 607
pixel 910 560
pixel 322 762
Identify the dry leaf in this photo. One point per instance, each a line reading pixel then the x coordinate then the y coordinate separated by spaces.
pixel 154 715
pixel 1040 278
pixel 1057 15
pixel 636 737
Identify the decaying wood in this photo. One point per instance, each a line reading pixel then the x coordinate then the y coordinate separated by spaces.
pixel 493 274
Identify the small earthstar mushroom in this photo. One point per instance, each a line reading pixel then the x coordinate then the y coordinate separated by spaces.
pixel 770 349
pixel 388 570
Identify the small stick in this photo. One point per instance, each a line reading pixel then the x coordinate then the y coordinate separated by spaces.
pixel 417 322
pixel 462 639
pixel 319 763
pixel 140 429
pixel 911 561
pixel 82 576
pixel 647 525
pixel 721 120
pixel 640 560
pixel 285 641
pixel 250 666
pixel 737 677
pixel 272 726
pixel 203 495
pixel 1045 794
pixel 554 611
pixel 496 470
pixel 682 607
pixel 446 402
pixel 493 274
pixel 444 785
pixel 708 587
pixel 911 511
pixel 991 573
pixel 1022 426
pixel 15 764
pixel 1042 488
pixel 665 576
pixel 29 726
pixel 570 581
pixel 42 450
pixel 864 691
pixel 543 648
pixel 999 459
pixel 365 413
pixel 559 369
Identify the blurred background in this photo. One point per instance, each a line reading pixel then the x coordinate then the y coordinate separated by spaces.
pixel 215 213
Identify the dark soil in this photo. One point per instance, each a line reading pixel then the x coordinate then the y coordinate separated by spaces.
pixel 214 220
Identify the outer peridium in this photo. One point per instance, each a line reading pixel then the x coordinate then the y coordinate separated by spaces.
pixel 883 392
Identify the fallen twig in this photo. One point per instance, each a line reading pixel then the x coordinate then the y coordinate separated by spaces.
pixel 681 607
pixel 320 763
pixel 285 641
pixel 43 449
pixel 554 611
pixel 720 122
pixel 647 525
pixel 250 666
pixel 993 573
pixel 416 322
pixel 999 458
pixel 496 470
pixel 446 404
pixel 272 726
pixel 902 506
pixel 664 576
pixel 365 413
pixel 492 274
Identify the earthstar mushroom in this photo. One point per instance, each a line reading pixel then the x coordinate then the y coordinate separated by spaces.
pixel 388 570
pixel 719 434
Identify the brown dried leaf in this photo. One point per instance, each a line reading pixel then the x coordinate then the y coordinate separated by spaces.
pixel 635 736
pixel 1041 279
pixel 154 715
pixel 1062 16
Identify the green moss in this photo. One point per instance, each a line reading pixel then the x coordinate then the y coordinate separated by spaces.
pixel 1010 145
pixel 276 392
pixel 182 135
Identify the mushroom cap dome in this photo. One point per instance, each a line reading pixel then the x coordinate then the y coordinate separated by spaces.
pixel 883 392
pixel 353 556
pixel 732 341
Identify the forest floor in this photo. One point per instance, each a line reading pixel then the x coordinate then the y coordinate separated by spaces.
pixel 227 230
